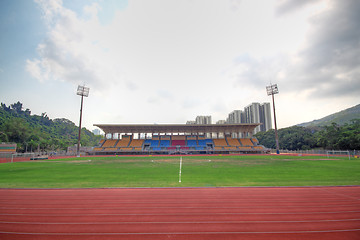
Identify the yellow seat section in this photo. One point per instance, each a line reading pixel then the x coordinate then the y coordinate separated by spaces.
pixel 221 142
pixel 233 142
pixel 136 143
pixel 246 142
pixel 109 143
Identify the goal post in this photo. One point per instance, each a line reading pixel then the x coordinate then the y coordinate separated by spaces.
pixel 338 153
pixel 22 156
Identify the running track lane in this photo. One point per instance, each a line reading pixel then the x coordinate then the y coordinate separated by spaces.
pixel 181 213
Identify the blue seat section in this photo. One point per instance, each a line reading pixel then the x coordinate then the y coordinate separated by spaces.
pixel 147 141
pixel 154 143
pixel 191 143
pixel 156 148
pixel 202 143
pixel 199 148
pixel 164 143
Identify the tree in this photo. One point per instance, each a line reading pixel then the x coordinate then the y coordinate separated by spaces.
pixel 30 131
pixel 17 107
pixel 3 137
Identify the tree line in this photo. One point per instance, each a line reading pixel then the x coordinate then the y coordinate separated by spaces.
pixel 331 137
pixel 31 132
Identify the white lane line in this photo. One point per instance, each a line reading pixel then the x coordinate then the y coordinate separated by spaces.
pixel 186 233
pixel 193 222
pixel 172 214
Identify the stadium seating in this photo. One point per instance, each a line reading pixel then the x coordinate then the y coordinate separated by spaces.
pixel 258 147
pixel 7 148
pixel 165 143
pixel 191 143
pixel 109 143
pixel 136 143
pixel 245 148
pixel 202 143
pixel 221 142
pixel 123 142
pixel 178 137
pixel 155 137
pixel 154 143
pixel 112 149
pixel 230 148
pixel 165 137
pixel 126 149
pixel 246 142
pixel 205 142
pixel 178 142
pixel 233 141
pixel 191 138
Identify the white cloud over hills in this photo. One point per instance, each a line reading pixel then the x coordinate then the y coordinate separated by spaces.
pixel 172 60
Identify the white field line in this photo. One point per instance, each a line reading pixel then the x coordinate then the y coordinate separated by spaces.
pixel 180 170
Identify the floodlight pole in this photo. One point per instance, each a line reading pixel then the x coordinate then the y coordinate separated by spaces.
pixel 81 91
pixel 272 90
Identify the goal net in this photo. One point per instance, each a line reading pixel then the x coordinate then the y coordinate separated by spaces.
pixel 338 153
pixel 18 157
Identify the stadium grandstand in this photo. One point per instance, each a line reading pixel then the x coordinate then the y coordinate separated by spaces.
pixel 6 151
pixel 178 139
pixel 7 148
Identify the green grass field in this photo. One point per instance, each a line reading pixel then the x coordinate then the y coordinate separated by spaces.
pixel 197 171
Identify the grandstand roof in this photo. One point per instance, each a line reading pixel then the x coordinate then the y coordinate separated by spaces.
pixel 176 128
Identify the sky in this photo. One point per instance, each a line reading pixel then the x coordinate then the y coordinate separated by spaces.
pixel 168 61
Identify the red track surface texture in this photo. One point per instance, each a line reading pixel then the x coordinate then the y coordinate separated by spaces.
pixel 181 213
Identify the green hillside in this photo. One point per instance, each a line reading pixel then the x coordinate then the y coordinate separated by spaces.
pixel 32 131
pixel 340 118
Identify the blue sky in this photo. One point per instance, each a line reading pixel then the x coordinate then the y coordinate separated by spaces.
pixel 167 61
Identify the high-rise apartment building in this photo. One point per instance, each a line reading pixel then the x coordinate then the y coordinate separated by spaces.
pixel 265 117
pixel 259 113
pixel 221 122
pixel 200 120
pixel 203 120
pixel 253 113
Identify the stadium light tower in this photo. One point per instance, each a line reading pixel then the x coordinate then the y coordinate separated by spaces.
pixel 272 90
pixel 83 92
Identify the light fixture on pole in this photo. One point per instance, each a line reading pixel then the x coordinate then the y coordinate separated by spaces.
pixel 272 90
pixel 83 92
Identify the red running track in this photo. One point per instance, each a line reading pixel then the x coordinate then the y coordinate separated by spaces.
pixel 181 213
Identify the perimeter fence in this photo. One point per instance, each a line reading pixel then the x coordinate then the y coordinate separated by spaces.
pixel 319 152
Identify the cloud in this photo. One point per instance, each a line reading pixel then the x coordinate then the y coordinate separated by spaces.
pixel 326 66
pixel 71 51
pixel 181 55
pixel 330 59
pixel 251 72
pixel 288 6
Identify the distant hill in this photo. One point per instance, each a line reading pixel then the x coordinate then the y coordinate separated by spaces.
pixel 30 132
pixel 342 117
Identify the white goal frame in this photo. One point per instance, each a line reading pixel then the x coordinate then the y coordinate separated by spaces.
pixel 22 155
pixel 338 152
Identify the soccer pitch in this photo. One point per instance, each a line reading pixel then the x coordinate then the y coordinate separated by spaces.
pixel 195 171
